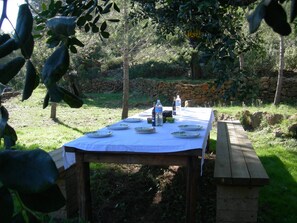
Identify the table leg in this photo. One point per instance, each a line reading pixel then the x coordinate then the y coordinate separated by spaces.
pixel 83 189
pixel 193 174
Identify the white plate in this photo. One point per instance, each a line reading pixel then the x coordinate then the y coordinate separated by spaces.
pixel 190 127
pixel 145 130
pixel 120 126
pixel 132 120
pixel 185 135
pixel 99 134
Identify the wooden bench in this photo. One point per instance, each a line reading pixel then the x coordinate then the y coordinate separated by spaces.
pixel 67 183
pixel 238 173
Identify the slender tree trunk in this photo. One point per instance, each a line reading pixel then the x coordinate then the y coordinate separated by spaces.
pixel 53 110
pixel 125 105
pixel 241 61
pixel 196 71
pixel 278 91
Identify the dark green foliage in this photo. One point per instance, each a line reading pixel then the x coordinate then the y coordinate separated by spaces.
pixel 24 25
pixel 9 70
pixel 153 69
pixel 3 120
pixel 46 201
pixel 55 66
pixel 7 47
pixel 27 171
pixel 6 205
pixel 31 81
pixel 62 25
pixel 28 47
pixel 10 137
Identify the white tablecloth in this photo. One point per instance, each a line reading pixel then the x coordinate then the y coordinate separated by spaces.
pixel 160 142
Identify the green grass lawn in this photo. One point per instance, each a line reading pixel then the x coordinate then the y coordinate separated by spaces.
pixel 35 129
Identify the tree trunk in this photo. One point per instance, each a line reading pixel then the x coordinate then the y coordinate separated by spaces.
pixel 196 71
pixel 53 110
pixel 278 91
pixel 125 105
pixel 241 61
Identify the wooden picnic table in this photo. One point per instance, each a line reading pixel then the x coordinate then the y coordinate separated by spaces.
pixel 160 148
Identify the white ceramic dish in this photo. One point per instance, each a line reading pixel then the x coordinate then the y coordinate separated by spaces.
pixel 132 120
pixel 119 126
pixel 145 130
pixel 99 134
pixel 190 127
pixel 185 135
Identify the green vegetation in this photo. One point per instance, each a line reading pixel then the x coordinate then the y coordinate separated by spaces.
pixel 279 155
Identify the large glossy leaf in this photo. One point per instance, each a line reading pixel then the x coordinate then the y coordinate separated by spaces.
pixel 256 17
pixel 27 171
pixel 46 201
pixel 31 82
pixel 72 100
pixel 293 10
pixel 10 137
pixel 24 24
pixel 62 25
pixel 10 69
pixel 3 120
pixel 4 38
pixel 6 205
pixel 27 48
pixel 46 100
pixel 55 66
pixel 276 18
pixel 7 47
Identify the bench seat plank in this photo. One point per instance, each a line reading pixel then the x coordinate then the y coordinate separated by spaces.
pixel 243 166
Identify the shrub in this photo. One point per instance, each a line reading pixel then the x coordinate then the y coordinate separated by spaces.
pixel 154 69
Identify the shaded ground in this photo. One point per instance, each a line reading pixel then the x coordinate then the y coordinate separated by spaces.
pixel 148 194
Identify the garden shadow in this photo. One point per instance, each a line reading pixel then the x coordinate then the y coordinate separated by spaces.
pixel 150 194
pixel 278 199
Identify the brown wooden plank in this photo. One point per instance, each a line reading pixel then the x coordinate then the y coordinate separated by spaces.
pixel 240 173
pixel 222 171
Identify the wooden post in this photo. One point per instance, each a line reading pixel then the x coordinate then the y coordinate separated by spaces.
pixel 83 188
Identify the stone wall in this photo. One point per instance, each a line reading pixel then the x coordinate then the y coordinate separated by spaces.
pixel 197 94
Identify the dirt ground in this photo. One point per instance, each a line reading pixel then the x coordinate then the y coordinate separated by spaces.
pixel 149 194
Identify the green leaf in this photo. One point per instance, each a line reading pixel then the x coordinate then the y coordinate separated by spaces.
pixel 81 21
pixel 72 100
pixel 3 120
pixel 46 100
pixel 10 137
pixel 113 20
pixel 105 35
pixel 107 8
pixel 89 17
pixel 28 47
pixel 55 66
pixel 24 25
pixel 75 41
pixel 31 82
pixel 276 18
pixel 53 41
pixel 7 47
pixel 95 29
pixel 45 201
pixel 256 17
pixel 73 49
pixel 103 26
pixel 293 10
pixel 28 171
pixel 62 25
pixel 96 19
pixel 11 69
pixel 87 28
pixel 4 38
pixel 6 205
pixel 115 6
pixel 43 6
